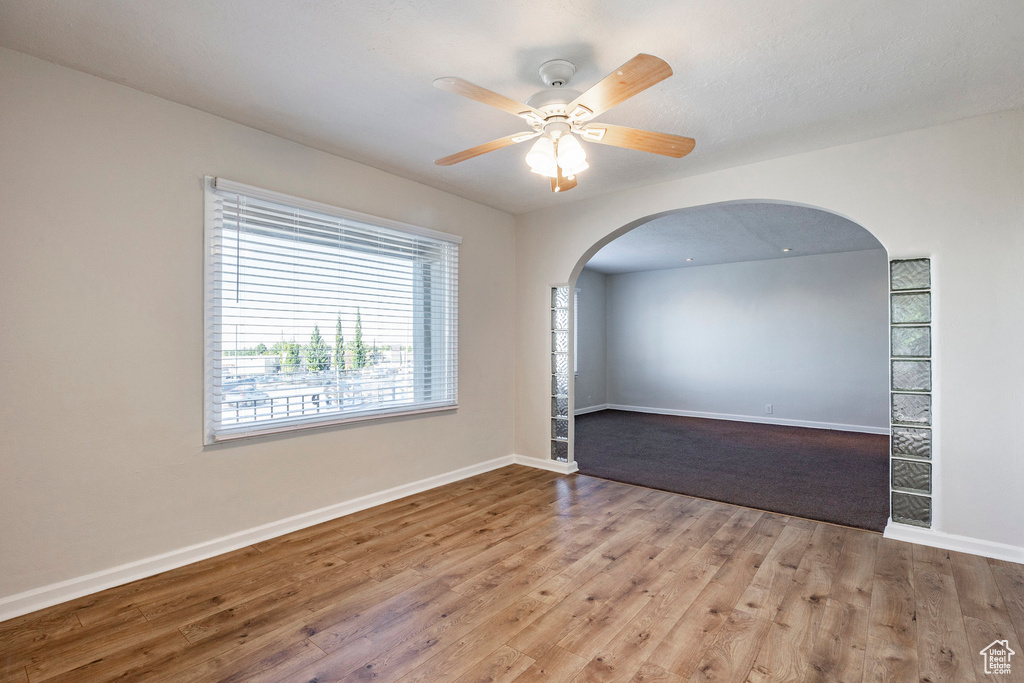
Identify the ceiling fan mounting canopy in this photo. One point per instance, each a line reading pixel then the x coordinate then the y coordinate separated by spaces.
pixel 557 73
pixel 558 113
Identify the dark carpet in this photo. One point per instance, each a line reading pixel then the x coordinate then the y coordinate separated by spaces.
pixel 831 476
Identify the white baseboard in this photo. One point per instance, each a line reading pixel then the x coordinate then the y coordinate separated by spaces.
pixel 56 593
pixel 963 544
pixel 590 409
pixel 551 465
pixel 759 419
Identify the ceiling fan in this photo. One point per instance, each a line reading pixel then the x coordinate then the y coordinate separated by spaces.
pixel 559 114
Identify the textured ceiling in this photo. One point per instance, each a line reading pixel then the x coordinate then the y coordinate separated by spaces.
pixel 730 233
pixel 753 80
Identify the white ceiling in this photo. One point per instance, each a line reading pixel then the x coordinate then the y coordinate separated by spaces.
pixel 728 234
pixel 753 80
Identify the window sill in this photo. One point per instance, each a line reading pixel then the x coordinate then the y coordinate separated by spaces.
pixel 236 435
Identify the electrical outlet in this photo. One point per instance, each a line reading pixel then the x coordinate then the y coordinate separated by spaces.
pixel 767 408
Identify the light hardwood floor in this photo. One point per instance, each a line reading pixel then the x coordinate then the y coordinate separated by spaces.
pixel 521 574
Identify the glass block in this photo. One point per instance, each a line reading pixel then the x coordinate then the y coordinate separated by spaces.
pixel 912 408
pixel 560 363
pixel 911 274
pixel 912 308
pixel 559 428
pixel 560 319
pixel 914 476
pixel 560 406
pixel 914 443
pixel 910 509
pixel 560 341
pixel 560 451
pixel 560 385
pixel 560 297
pixel 912 375
pixel 911 341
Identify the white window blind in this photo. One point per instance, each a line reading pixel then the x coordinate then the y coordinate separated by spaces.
pixel 317 315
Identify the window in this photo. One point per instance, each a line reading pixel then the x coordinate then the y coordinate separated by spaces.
pixel 317 315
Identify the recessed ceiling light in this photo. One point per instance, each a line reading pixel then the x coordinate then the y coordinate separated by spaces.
pixel 689 259
pixel 787 249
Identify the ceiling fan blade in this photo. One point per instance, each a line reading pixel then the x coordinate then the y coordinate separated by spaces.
pixel 475 92
pixel 631 78
pixel 561 183
pixel 486 147
pixel 642 140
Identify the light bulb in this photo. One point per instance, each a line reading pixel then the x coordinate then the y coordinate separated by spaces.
pixel 571 156
pixel 541 158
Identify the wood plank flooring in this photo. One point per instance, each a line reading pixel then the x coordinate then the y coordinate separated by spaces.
pixel 524 575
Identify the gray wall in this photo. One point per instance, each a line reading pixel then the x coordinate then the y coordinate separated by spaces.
pixel 806 334
pixel 592 363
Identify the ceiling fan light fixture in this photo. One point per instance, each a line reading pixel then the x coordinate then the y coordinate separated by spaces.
pixel 572 158
pixel 541 157
pixel 571 172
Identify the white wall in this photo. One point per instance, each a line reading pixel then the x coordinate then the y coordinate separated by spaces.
pixel 952 192
pixel 591 360
pixel 808 335
pixel 101 331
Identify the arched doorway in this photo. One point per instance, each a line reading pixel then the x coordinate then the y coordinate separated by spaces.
pixel 815 234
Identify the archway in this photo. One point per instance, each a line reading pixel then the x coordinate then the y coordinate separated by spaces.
pixel 880 316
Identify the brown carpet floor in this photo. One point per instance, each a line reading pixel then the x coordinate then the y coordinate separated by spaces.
pixel 831 476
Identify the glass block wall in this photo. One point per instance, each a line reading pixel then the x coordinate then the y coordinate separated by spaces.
pixel 560 373
pixel 910 369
